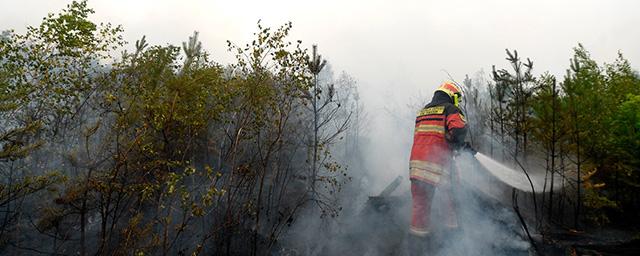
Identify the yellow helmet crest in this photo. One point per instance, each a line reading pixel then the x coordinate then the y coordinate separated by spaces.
pixel 452 90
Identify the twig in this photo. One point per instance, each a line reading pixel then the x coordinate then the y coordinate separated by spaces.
pixel 32 249
pixel 514 198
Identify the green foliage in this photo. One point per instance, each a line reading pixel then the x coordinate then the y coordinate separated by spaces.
pixel 46 75
pixel 513 91
pixel 52 67
pixel 627 122
pixel 595 201
pixel 548 110
pixel 595 97
pixel 585 128
pixel 162 149
pixel 27 185
pixel 626 141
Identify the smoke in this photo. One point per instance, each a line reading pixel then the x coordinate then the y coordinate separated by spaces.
pixel 370 224
pixel 488 225
pixel 379 225
pixel 514 178
pixel 373 225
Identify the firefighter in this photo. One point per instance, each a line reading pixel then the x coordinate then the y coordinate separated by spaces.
pixel 439 130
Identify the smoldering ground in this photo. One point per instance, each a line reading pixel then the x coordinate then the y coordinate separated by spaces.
pixel 378 225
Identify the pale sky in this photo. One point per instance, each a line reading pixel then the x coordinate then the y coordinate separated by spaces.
pixel 395 49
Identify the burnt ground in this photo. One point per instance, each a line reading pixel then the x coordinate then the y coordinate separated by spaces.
pixel 381 229
pixel 490 226
pixel 500 233
pixel 606 241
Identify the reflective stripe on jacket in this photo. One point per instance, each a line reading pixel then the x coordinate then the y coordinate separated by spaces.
pixel 440 128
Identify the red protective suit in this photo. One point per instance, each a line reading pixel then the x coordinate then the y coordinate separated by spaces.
pixel 440 128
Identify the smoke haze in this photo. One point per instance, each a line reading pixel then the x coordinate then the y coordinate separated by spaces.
pixel 398 52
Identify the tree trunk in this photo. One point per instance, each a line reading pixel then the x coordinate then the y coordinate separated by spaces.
pixel 579 178
pixel 553 149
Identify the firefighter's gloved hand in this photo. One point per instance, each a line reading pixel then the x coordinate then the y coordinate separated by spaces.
pixel 467 147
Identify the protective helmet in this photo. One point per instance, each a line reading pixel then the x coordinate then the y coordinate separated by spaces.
pixel 452 90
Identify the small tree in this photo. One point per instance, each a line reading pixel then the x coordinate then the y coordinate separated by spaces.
pixel 516 89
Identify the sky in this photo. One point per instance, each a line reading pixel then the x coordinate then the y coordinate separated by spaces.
pixel 395 49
